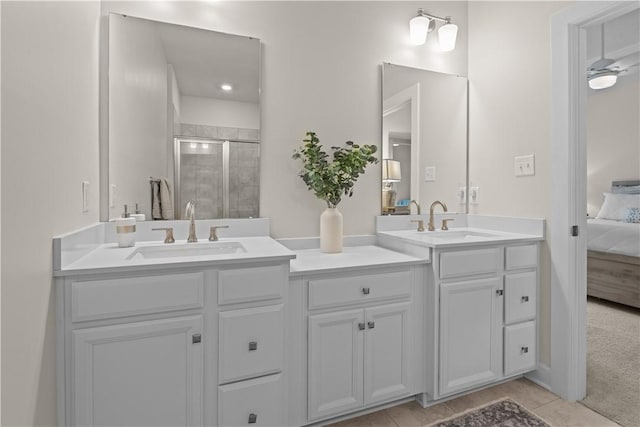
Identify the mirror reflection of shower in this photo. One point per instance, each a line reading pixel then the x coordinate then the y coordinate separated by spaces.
pixel 221 176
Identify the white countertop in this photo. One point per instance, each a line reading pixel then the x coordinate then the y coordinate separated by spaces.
pixel 458 237
pixel 310 261
pixel 110 258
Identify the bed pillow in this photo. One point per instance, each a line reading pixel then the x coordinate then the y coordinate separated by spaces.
pixel 615 206
pixel 633 215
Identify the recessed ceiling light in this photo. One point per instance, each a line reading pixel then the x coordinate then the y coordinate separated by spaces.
pixel 396 145
pixel 226 87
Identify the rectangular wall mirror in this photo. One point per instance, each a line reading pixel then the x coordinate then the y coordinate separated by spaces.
pixel 183 121
pixel 424 139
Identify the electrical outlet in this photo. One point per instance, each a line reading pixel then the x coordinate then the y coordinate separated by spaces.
pixel 474 195
pixel 462 194
pixel 429 173
pixel 85 196
pixel 112 196
pixel 525 165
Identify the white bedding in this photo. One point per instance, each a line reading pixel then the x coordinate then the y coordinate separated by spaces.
pixel 613 236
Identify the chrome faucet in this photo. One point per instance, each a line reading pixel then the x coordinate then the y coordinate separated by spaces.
pixel 431 227
pixel 415 203
pixel 190 212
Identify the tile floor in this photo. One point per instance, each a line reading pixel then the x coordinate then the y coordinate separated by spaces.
pixel 553 409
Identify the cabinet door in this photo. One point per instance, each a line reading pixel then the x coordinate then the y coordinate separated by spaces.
pixel 335 362
pixel 143 373
pixel 470 333
pixel 386 362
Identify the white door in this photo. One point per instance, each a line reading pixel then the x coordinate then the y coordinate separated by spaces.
pixel 387 360
pixel 335 362
pixel 142 374
pixel 470 333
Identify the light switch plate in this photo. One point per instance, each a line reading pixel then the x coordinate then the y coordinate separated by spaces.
pixel 429 173
pixel 462 194
pixel 85 196
pixel 112 196
pixel 474 195
pixel 525 165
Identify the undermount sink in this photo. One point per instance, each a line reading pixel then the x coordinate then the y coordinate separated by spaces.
pixel 187 250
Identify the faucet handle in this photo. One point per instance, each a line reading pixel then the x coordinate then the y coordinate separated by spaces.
pixel 213 236
pixel 420 224
pixel 445 222
pixel 168 238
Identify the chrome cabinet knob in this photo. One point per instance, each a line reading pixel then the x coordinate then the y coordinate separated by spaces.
pixel 371 325
pixel 253 345
pixel 500 292
pixel 253 418
pixel 524 350
pixel 361 326
pixel 524 299
pixel 365 291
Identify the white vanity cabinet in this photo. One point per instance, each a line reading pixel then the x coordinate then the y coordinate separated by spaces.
pixel 180 346
pixel 358 342
pixel 485 310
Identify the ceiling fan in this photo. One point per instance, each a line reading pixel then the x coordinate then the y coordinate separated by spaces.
pixel 604 72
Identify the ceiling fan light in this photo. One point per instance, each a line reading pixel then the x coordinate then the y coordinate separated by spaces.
pixel 447 35
pixel 603 80
pixel 418 29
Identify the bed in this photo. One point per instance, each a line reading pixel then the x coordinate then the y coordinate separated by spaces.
pixel 613 246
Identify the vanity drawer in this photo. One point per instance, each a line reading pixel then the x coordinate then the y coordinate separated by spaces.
pixel 325 293
pixel 258 402
pixel 251 343
pixel 522 256
pixel 519 347
pixel 251 284
pixel 470 262
pixel 104 299
pixel 520 296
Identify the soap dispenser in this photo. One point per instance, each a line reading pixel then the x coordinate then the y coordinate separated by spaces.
pixel 126 230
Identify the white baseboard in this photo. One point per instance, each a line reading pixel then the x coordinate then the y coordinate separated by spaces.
pixel 541 376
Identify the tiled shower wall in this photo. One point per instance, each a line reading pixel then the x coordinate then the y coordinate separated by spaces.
pixel 219 132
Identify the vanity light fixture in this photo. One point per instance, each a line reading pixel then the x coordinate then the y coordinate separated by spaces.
pixel 423 23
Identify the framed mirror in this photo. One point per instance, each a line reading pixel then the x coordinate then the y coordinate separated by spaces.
pixel 183 121
pixel 424 139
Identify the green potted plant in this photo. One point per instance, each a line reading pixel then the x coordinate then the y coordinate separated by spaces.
pixel 331 177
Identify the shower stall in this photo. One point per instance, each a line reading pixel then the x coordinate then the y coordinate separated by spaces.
pixel 221 176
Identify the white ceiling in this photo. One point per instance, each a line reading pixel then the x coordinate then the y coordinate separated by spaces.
pixel 622 37
pixel 203 60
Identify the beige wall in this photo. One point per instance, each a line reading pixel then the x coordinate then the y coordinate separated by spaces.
pixel 613 138
pixel 510 115
pixel 50 144
pixel 321 71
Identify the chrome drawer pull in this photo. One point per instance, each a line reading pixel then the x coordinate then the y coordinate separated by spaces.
pixel 371 325
pixel 499 292
pixel 253 418
pixel 361 326
pixel 525 299
pixel 365 291
pixel 253 345
pixel 524 350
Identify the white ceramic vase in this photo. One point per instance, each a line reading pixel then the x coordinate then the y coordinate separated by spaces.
pixel 331 231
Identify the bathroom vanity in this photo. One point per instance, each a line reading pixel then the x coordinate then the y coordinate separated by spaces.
pixel 248 330
pixel 481 304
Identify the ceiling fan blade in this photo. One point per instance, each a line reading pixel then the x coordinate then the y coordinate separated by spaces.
pixel 626 61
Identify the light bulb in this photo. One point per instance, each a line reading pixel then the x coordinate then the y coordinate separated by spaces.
pixel 447 36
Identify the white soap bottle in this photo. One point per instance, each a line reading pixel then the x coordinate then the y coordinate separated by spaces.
pixel 126 230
